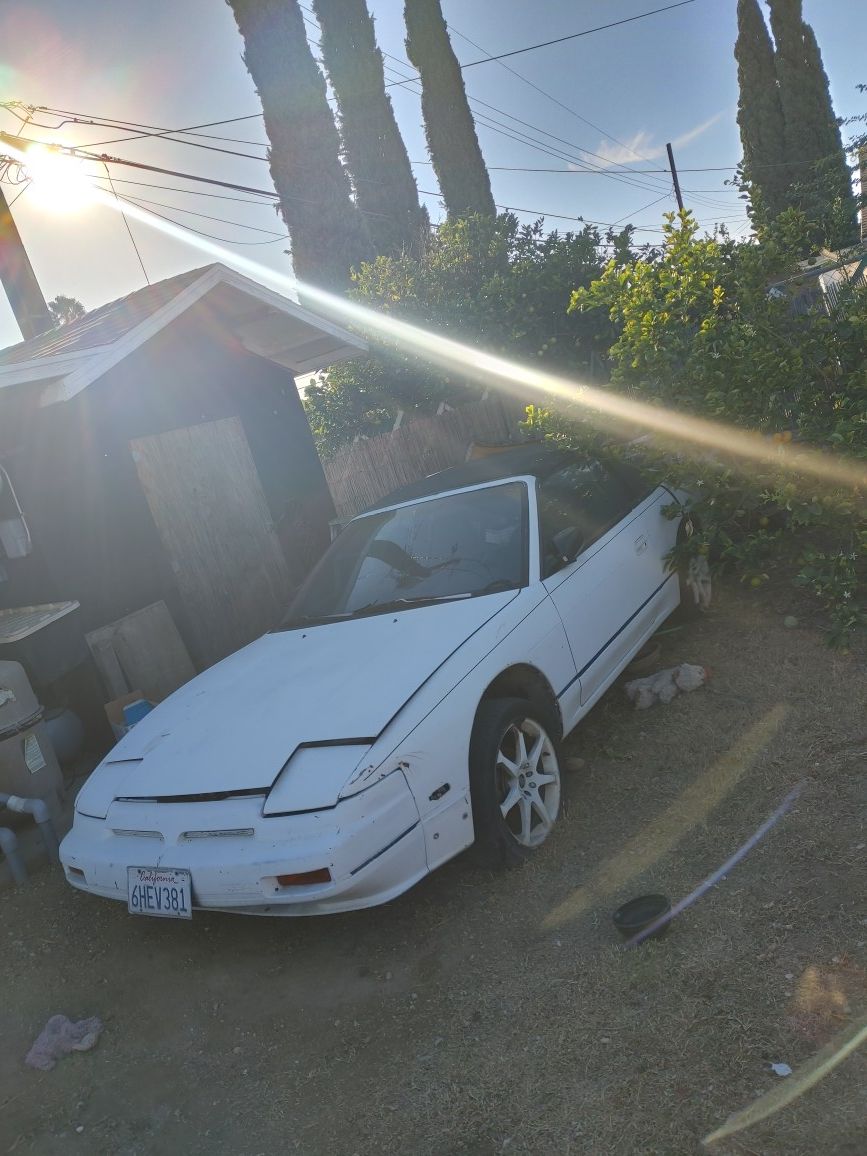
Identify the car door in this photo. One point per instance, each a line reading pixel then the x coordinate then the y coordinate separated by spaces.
pixel 602 556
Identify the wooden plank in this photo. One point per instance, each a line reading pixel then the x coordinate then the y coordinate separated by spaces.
pixel 207 502
pixel 152 653
pixel 142 651
pixel 101 646
pixel 370 468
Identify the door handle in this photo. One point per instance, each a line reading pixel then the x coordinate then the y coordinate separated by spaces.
pixel 640 544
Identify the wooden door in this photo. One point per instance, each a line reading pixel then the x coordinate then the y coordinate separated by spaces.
pixel 206 499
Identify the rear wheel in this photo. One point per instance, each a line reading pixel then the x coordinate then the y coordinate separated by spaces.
pixel 515 781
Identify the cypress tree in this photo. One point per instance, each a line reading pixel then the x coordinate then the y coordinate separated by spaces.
pixel 449 127
pixel 328 234
pixel 375 154
pixel 814 146
pixel 806 129
pixel 760 114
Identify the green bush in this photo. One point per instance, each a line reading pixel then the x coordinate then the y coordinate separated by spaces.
pixel 699 333
pixel 489 282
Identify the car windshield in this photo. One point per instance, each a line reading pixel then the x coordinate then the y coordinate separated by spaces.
pixel 459 546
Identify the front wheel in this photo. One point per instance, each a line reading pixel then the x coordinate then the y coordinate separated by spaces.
pixel 515 781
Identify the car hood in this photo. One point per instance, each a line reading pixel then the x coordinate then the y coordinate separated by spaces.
pixel 234 727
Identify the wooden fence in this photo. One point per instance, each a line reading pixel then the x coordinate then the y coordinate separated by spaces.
pixel 371 467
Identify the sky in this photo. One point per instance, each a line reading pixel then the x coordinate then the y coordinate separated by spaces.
pixel 609 101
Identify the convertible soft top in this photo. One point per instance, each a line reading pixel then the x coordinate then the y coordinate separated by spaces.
pixel 536 459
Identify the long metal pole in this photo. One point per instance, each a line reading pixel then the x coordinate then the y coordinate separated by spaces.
pixel 677 191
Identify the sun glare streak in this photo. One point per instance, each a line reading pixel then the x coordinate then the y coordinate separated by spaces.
pixel 665 831
pixel 721 872
pixel 58 180
pixel 807 1076
pixel 608 407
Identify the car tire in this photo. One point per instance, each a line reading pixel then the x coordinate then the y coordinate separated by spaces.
pixel 696 584
pixel 516 797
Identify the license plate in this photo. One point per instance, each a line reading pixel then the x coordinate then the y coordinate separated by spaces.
pixel 160 891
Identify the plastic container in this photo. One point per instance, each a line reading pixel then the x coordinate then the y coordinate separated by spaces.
pixel 28 764
pixel 66 732
pixel 19 706
pixel 134 712
pixel 639 913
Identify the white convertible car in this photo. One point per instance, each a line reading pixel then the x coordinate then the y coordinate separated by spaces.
pixel 411 703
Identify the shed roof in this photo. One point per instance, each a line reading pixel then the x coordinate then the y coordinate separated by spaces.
pixel 68 359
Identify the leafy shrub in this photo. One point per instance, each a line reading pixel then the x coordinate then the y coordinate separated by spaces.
pixel 490 282
pixel 699 333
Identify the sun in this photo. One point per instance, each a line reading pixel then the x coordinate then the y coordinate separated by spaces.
pixel 58 180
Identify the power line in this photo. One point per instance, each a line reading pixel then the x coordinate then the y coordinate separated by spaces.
pixel 144 203
pixel 549 96
pixel 156 131
pixel 126 223
pixel 25 185
pixel 415 79
pixel 486 121
pixel 200 232
pixel 105 159
pixel 603 172
pixel 153 132
pixel 426 192
pixel 523 138
pixel 173 140
pixel 193 192
pixel 72 117
pixel 207 216
pixel 635 212
pixel 79 118
pixel 573 112
pixel 577 35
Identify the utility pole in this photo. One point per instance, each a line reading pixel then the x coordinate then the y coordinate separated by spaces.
pixel 19 280
pixel 677 191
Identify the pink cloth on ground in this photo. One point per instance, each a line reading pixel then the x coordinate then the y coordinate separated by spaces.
pixel 61 1036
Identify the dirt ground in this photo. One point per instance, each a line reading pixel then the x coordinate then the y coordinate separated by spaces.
pixel 498 1013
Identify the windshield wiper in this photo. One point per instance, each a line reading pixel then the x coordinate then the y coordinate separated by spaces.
pixel 370 608
pixel 403 603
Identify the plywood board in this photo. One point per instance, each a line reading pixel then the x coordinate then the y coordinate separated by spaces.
pixel 142 651
pixel 206 499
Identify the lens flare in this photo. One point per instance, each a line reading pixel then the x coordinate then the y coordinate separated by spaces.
pixel 805 1077
pixel 662 833
pixel 606 408
pixel 58 180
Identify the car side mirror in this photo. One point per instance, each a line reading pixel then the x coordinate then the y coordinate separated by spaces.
pixel 568 543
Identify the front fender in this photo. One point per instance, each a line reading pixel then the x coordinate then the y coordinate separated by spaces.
pixel 430 738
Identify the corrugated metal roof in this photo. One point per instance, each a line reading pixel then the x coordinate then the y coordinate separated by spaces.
pixel 104 325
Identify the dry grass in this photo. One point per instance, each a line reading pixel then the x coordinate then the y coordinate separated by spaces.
pixel 497 1014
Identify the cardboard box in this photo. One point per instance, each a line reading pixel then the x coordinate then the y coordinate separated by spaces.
pixel 114 712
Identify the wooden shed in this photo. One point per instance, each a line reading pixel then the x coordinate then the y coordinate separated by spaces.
pixel 157 450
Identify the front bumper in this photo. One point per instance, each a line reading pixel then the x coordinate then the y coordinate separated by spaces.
pixel 372 843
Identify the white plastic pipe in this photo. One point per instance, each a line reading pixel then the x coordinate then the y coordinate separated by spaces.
pixel 41 817
pixel 9 847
